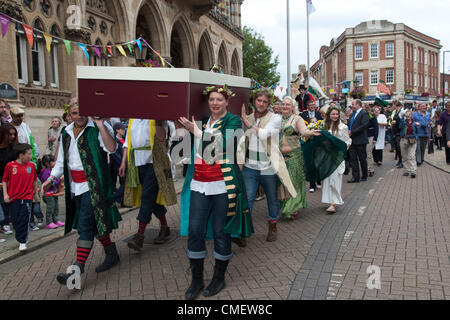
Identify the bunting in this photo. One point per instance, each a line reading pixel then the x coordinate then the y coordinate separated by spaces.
pixel 4 20
pixel 48 41
pixel 29 33
pixel 67 43
pixel 120 48
pixel 83 47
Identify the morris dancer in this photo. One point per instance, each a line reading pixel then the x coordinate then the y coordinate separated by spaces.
pixel 264 163
pixel 214 199
pixel 91 209
pixel 147 184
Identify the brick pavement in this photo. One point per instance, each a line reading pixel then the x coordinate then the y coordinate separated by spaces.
pixel 408 242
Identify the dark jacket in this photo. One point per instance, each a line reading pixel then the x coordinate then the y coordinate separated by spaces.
pixel 372 129
pixel 403 126
pixel 395 129
pixel 359 128
pixel 303 102
pixel 305 115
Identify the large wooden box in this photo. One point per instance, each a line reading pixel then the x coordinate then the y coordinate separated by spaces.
pixel 153 93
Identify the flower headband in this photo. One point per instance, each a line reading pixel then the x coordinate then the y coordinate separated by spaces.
pixel 331 108
pixel 66 108
pixel 220 89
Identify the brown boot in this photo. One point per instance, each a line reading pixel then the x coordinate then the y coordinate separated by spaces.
pixel 272 234
pixel 241 242
pixel 137 242
pixel 164 235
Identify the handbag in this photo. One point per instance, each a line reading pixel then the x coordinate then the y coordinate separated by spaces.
pixel 411 140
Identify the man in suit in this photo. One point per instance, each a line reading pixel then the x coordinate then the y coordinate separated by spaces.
pixel 303 98
pixel 311 112
pixel 359 123
pixel 396 118
pixel 307 115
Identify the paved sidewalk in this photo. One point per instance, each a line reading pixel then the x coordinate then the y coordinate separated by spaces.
pixel 391 221
pixel 437 159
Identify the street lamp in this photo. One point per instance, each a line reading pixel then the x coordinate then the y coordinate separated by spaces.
pixel 443 77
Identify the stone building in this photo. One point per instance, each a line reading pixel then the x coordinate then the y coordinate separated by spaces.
pixel 188 33
pixel 405 59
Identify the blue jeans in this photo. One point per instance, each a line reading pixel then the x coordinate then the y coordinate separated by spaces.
pixel 199 212
pixel 252 179
pixel 150 190
pixel 87 226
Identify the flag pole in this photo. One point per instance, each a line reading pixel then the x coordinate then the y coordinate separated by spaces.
pixel 307 36
pixel 288 90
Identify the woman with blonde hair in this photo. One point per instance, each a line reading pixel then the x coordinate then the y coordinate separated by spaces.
pixel 292 127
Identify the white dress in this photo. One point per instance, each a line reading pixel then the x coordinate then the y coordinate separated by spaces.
pixel 332 186
pixel 381 132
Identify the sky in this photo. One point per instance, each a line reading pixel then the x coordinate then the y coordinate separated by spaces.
pixel 332 17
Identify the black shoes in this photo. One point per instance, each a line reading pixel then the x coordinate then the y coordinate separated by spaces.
pixel 197 284
pixel 63 277
pixel 399 165
pixel 353 181
pixel 218 280
pixel 406 174
pixel 111 259
pixel 413 175
pixel 364 179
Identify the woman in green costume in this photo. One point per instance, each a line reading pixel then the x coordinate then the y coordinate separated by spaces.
pixel 214 199
pixel 292 128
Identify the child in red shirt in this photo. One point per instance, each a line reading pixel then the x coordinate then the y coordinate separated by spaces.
pixel 19 185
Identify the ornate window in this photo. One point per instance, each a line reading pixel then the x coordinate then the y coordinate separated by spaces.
pixel 104 28
pixel 91 23
pixel 54 70
pixel 46 8
pixel 37 56
pixel 29 5
pixel 22 57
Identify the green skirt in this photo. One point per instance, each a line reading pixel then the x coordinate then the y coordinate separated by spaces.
pixel 294 163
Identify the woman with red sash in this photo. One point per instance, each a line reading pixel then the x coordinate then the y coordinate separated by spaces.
pixel 213 201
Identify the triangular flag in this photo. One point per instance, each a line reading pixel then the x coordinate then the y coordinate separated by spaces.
pixel 83 47
pixel 121 50
pixel 4 20
pixel 162 61
pixel 29 33
pixel 129 47
pixel 97 50
pixel 68 48
pixel 138 41
pixel 310 7
pixel 109 48
pixel 48 41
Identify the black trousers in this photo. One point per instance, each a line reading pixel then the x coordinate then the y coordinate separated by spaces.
pixel 358 156
pixel 398 151
pixel 377 155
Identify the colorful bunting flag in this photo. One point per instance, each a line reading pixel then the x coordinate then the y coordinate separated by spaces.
pixel 67 43
pixel 138 41
pixel 129 48
pixel 4 20
pixel 29 33
pixel 83 47
pixel 48 41
pixel 109 48
pixel 120 48
pixel 97 50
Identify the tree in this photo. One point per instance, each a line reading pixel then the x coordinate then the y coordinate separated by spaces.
pixel 257 58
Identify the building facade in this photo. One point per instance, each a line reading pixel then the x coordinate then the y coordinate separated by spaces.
pixel 405 59
pixel 187 33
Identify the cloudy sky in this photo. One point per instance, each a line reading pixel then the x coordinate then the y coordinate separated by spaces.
pixel 332 17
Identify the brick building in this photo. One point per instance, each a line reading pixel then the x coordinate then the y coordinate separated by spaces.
pixel 194 34
pixel 405 59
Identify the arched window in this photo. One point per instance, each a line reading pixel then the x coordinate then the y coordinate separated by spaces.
pixel 21 51
pixel 37 55
pixel 54 70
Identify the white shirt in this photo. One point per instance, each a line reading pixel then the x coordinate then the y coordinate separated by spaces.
pixel 23 133
pixel 272 128
pixel 140 137
pixel 74 160
pixel 207 188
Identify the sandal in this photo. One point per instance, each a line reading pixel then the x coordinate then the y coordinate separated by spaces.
pixel 331 209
